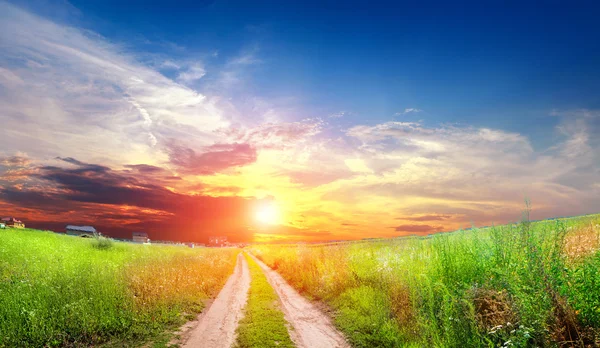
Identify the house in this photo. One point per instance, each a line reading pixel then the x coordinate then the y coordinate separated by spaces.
pixel 12 222
pixel 140 237
pixel 217 241
pixel 81 231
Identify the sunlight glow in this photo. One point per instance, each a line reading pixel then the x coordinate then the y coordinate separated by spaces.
pixel 268 213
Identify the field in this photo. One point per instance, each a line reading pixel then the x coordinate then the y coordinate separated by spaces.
pixel 526 284
pixel 530 284
pixel 57 290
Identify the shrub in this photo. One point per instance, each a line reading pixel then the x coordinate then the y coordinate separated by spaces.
pixel 102 243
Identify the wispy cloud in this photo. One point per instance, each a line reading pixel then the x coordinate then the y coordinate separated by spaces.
pixel 192 74
pixel 408 111
pixel 118 124
pixel 88 88
pixel 213 159
pixel 419 229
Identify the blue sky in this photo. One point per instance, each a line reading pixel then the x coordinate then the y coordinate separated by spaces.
pixel 334 102
pixel 502 64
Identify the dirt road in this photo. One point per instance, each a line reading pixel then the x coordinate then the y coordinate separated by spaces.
pixel 216 325
pixel 312 328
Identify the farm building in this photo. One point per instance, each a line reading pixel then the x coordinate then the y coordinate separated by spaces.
pixel 12 222
pixel 217 241
pixel 81 231
pixel 140 237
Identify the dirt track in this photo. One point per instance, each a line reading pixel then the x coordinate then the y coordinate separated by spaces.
pixel 216 325
pixel 312 328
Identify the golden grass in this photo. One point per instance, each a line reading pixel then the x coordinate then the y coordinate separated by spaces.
pixel 582 241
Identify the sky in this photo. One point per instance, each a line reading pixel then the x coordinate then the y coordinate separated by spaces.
pixel 297 121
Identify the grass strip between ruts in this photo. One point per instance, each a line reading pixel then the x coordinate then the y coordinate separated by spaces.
pixel 263 324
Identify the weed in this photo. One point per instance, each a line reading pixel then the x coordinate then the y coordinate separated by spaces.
pixel 102 243
pixel 514 285
pixel 57 290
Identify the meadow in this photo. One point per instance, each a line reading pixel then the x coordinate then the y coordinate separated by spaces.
pixel 530 284
pixel 57 290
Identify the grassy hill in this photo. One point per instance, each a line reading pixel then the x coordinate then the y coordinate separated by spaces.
pixel 526 284
pixel 530 284
pixel 59 290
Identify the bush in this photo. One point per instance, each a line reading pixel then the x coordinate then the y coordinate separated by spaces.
pixel 102 243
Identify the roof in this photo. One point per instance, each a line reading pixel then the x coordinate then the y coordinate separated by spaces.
pixel 10 219
pixel 140 234
pixel 81 228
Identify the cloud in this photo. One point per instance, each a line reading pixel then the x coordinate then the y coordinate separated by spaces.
pixel 430 217
pixel 111 117
pixel 15 161
pixel 418 228
pixel 95 97
pixel 473 174
pixel 280 135
pixel 145 168
pixel 357 165
pixel 408 111
pixel 14 168
pixel 169 64
pixel 338 114
pixel 213 159
pixel 91 192
pixel 192 74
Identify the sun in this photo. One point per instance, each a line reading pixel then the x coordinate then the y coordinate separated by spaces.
pixel 268 213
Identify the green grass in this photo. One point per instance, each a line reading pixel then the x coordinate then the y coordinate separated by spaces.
pixel 57 290
pixel 263 324
pixel 532 284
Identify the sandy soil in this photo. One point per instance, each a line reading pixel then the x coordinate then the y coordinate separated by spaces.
pixel 215 326
pixel 312 328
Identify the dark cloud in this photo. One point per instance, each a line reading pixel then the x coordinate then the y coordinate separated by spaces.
pixel 214 159
pixel 35 199
pixel 418 228
pixel 99 195
pixel 84 166
pixel 145 168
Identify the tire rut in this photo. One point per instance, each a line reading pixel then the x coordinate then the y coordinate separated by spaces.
pixel 311 327
pixel 216 325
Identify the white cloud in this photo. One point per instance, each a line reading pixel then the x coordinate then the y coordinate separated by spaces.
pixel 71 92
pixel 408 111
pixel 448 168
pixel 338 114
pixel 169 64
pixel 357 165
pixel 192 74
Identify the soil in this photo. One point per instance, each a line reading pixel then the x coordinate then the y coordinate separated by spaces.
pixel 311 327
pixel 215 326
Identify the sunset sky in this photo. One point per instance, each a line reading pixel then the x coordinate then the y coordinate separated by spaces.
pixel 292 121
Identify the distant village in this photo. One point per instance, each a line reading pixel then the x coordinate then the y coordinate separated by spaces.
pixel 136 237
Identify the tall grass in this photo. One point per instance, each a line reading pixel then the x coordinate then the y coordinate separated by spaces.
pixel 58 290
pixel 514 285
